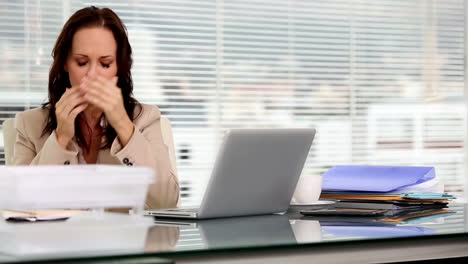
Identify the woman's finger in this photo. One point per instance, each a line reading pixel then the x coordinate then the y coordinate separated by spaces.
pixel 71 104
pixel 101 88
pixel 78 109
pixel 99 100
pixel 72 97
pixel 69 92
pixel 105 81
pixel 59 104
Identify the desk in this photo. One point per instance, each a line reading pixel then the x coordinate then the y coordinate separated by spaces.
pixel 288 238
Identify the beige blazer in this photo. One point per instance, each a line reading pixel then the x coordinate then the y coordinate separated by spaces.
pixel 145 148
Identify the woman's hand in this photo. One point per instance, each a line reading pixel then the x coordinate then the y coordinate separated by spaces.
pixel 67 108
pixel 105 95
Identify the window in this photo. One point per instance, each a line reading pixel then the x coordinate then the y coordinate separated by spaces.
pixel 382 81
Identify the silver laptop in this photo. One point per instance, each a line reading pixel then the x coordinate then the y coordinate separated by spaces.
pixel 256 172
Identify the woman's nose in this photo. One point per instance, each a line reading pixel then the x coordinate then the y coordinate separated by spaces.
pixel 92 70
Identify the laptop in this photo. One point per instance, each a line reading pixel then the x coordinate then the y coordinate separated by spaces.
pixel 255 172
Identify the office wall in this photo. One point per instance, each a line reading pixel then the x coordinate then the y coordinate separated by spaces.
pixel 382 81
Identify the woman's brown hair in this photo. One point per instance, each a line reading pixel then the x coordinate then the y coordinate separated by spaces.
pixel 59 79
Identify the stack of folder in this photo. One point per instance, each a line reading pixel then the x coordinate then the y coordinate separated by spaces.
pixel 384 187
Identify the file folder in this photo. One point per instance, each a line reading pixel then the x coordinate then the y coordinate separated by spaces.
pixel 374 178
pixel 372 197
pixel 388 205
pixel 428 196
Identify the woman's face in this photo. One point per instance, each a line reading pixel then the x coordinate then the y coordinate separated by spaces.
pixel 93 53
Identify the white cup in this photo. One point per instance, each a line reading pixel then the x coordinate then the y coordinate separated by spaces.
pixel 308 190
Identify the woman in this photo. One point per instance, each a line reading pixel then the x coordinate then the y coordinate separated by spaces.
pixel 91 116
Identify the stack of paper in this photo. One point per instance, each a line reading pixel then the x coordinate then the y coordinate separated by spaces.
pixel 384 187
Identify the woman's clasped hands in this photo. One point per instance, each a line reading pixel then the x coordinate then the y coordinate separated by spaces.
pixel 104 94
pixel 97 91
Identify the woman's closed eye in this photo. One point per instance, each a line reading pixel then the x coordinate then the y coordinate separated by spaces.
pixel 83 63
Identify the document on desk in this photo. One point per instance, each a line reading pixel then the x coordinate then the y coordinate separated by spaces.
pixel 388 205
pixel 32 216
pixel 374 178
pixel 404 197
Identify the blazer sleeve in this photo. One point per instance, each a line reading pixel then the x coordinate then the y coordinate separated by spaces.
pixel 146 148
pixel 51 152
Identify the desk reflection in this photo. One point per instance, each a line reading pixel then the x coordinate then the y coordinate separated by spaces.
pixel 232 232
pixel 247 231
pixel 287 229
pixel 397 224
pixel 162 238
pixel 346 230
pixel 306 231
pixel 110 234
pixel 89 234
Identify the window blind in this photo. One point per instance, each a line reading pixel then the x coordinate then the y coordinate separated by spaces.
pixel 381 81
pixel 28 30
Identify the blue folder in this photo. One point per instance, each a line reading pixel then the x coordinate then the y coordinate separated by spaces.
pixel 374 178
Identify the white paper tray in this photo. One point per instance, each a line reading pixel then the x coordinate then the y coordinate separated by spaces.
pixel 74 186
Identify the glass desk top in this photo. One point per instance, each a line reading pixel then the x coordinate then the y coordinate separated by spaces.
pixel 102 235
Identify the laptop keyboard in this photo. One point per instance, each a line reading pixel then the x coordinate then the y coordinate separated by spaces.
pixel 184 210
pixel 189 209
